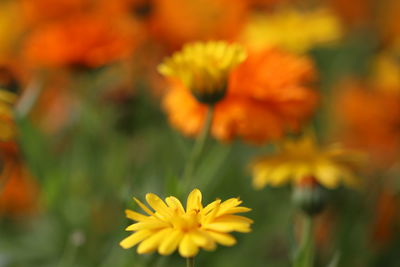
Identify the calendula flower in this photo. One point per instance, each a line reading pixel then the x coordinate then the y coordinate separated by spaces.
pixel 170 226
pixel 267 94
pixel 301 159
pixel 204 68
pixel 297 31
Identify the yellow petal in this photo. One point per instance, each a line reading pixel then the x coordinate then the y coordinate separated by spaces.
pixel 158 205
pixel 143 206
pixel 260 177
pixel 228 204
pixel 237 210
pixel 187 248
pixel 194 201
pixel 135 238
pixel 233 218
pixel 199 238
pixel 174 203
pixel 280 175
pixel 170 242
pixel 202 239
pixel 227 227
pixel 222 238
pixel 211 206
pixel 328 175
pixel 210 216
pixel 152 243
pixel 134 215
pixel 150 224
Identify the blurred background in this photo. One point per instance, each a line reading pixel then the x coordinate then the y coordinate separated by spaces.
pixel 83 126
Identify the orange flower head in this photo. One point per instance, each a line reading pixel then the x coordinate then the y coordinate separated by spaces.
pixel 97 40
pixel 266 95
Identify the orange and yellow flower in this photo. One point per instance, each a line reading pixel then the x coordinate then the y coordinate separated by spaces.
pixel 267 95
pixel 170 226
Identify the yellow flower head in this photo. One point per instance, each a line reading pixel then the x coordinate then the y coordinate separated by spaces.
pixel 170 226
pixel 204 68
pixel 295 30
pixel 301 159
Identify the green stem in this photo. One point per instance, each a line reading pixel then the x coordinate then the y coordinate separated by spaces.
pixel 190 262
pixel 305 254
pixel 197 149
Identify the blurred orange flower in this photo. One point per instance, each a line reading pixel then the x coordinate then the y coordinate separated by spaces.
pixel 175 22
pixel 267 95
pixel 371 120
pixel 86 40
pixel 39 11
pixel 355 12
pixel 385 218
pixel 18 191
pixel 11 29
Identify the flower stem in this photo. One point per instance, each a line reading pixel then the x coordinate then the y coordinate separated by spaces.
pixel 197 149
pixel 190 262
pixel 305 254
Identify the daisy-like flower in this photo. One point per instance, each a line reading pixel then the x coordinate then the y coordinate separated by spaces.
pixel 170 226
pixel 302 159
pixel 204 68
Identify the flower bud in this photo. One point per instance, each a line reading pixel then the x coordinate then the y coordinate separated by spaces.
pixel 309 196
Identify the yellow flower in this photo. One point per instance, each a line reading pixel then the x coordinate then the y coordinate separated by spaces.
pixel 169 226
pixel 295 30
pixel 204 68
pixel 301 159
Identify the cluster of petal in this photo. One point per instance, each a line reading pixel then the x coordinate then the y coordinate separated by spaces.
pixel 170 226
pixel 266 95
pixel 204 67
pixel 331 166
pixel 295 30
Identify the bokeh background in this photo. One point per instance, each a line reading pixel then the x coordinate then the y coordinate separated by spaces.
pixel 89 129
